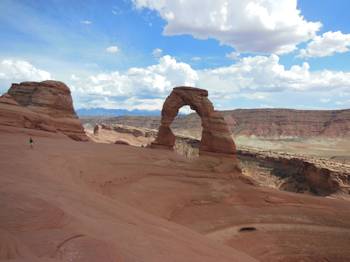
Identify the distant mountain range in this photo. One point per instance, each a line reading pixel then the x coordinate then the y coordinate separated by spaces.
pixel 115 112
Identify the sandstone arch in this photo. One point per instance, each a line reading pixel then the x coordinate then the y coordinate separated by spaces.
pixel 216 136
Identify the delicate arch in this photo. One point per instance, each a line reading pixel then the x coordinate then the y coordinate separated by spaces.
pixel 216 136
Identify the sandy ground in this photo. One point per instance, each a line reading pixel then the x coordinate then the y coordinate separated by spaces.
pixel 75 201
pixel 334 148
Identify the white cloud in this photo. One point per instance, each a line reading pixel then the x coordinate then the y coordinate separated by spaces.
pixel 186 110
pixel 266 74
pixel 258 78
pixel 112 49
pixel 86 22
pixel 157 52
pixel 142 84
pixel 73 77
pixel 255 96
pixel 326 45
pixel 233 55
pixel 131 103
pixel 267 26
pixel 19 71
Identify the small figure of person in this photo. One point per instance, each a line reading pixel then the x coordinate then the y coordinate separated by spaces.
pixel 31 142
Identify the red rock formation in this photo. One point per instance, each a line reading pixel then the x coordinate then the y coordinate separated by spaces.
pixel 288 122
pixel 296 173
pixel 49 97
pixel 216 136
pixel 43 105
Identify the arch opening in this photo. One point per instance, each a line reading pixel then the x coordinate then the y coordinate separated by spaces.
pixel 188 132
pixel 187 123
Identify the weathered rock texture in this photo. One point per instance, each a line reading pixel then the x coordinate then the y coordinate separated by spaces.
pixel 216 136
pixel 296 173
pixel 43 105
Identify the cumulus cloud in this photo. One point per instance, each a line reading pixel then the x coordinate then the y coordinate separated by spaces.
pixel 144 85
pixel 265 73
pixel 326 45
pixel 255 78
pixel 267 26
pixel 157 52
pixel 112 49
pixel 251 79
pixel 18 71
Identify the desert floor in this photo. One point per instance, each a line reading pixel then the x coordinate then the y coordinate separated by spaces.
pixel 333 148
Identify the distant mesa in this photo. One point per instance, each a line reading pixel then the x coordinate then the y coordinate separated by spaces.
pixel 276 123
pixel 216 135
pixel 46 105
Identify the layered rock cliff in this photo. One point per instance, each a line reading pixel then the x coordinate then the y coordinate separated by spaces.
pixel 288 122
pixel 269 123
pixel 43 105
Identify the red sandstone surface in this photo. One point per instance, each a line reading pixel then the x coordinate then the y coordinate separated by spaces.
pixel 67 201
pixel 58 203
pixel 43 105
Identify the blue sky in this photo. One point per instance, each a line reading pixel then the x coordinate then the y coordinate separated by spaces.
pixel 131 53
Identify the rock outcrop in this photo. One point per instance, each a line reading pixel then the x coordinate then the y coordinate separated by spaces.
pixel 216 136
pixel 113 134
pixel 43 105
pixel 296 173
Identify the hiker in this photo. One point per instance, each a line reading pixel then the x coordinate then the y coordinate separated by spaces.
pixel 31 142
